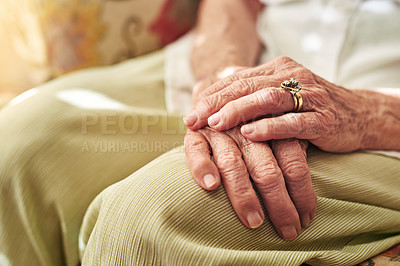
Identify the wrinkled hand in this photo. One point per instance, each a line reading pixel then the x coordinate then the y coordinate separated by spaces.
pixel 284 183
pixel 333 118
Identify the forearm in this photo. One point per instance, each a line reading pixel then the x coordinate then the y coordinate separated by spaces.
pixel 383 130
pixel 226 35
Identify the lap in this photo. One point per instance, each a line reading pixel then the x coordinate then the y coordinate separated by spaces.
pixel 160 216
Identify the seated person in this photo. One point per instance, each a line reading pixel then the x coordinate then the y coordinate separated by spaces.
pixel 70 144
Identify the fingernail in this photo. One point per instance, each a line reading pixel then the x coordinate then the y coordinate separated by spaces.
pixel 190 119
pixel 248 129
pixel 289 232
pixel 213 120
pixel 209 180
pixel 305 220
pixel 254 219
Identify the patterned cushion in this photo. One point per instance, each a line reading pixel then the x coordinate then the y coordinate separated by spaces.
pixel 41 39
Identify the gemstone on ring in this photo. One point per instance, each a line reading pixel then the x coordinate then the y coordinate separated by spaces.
pixel 293 86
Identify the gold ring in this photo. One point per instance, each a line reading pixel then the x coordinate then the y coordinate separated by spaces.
pixel 299 101
pixel 293 86
pixel 296 100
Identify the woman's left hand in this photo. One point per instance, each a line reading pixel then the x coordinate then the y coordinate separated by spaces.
pixel 332 117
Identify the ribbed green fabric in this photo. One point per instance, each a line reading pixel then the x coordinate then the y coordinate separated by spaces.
pixel 158 216
pixel 54 160
pixel 53 164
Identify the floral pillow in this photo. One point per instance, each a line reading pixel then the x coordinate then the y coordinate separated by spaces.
pixel 41 39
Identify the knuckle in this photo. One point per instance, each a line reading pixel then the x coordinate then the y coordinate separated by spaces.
pixel 190 139
pixel 244 86
pixel 297 181
pixel 218 86
pixel 228 163
pixel 245 193
pixel 260 71
pixel 252 85
pixel 265 69
pixel 245 200
pixel 231 92
pixel 233 77
pixel 306 77
pixel 195 145
pixel 210 102
pixel 288 67
pixel 283 59
pixel 275 96
pixel 237 179
pixel 271 187
pixel 199 162
pixel 246 146
pixel 267 174
pixel 295 171
pixel 232 107
pixel 223 83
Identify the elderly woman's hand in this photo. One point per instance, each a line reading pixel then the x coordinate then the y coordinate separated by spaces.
pixel 332 118
pixel 290 201
pixel 279 172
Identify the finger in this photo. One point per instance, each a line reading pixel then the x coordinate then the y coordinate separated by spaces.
pixel 203 170
pixel 267 176
pixel 207 106
pixel 274 67
pixel 238 85
pixel 292 159
pixel 263 70
pixel 308 125
pixel 235 178
pixel 207 86
pixel 263 102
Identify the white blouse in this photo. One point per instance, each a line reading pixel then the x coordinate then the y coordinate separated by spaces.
pixel 352 43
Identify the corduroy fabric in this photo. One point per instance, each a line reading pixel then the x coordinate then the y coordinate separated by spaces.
pixel 54 159
pixel 159 216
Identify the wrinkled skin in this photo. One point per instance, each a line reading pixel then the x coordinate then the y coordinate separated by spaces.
pixel 279 171
pixel 327 118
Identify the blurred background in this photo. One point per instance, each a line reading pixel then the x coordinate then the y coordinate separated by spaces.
pixel 43 39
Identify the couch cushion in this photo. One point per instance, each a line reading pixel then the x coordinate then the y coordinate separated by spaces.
pixel 42 39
